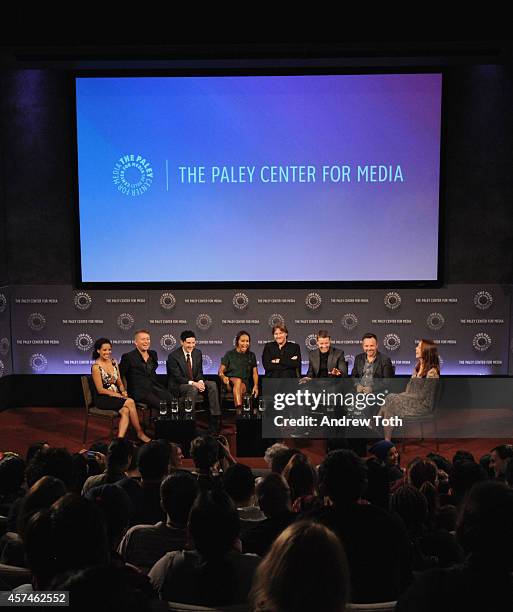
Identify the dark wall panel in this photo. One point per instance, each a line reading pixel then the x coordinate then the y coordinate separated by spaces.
pixel 478 177
pixel 36 176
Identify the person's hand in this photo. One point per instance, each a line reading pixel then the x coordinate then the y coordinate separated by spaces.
pixel 294 357
pixel 275 360
pixel 200 385
pixel 254 392
pixel 335 372
pixel 304 380
pixel 226 381
pixel 101 460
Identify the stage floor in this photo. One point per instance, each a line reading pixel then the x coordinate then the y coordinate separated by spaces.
pixel 63 427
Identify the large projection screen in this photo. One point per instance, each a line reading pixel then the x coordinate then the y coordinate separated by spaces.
pixel 259 179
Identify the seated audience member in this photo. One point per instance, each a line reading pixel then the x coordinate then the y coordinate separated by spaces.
pixel 115 507
pixel 387 453
pixel 238 370
pixel 40 496
pixel 370 366
pixel 144 545
pixel 281 358
pixel 70 535
pixel 377 491
pixel 464 475
pixel 56 462
pixel 273 495
pixel 34 448
pixel 215 573
pixel 153 464
pixel 499 455
pixel 139 367
pixel 461 456
pixel 326 360
pixel 423 475
pixel 485 461
pixel 119 457
pixel 273 450
pixel 301 477
pixel 206 452
pixel 12 476
pixel 281 457
pixel 429 547
pixel 419 397
pixel 175 457
pixel 363 529
pixel 109 391
pixel 239 483
pixel 106 589
pixel 485 580
pixel 306 569
pixel 185 377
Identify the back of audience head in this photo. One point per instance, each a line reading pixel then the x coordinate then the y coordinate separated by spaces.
pixel 441 462
pixel 117 588
pixel 273 495
pixel 35 448
pixel 461 456
pixel 378 484
pixel 177 494
pixel 41 495
pixel 239 483
pixel 116 508
pixel 343 476
pixel 56 462
pixel 411 505
pixel 68 536
pixel 301 476
pixel 214 523
pixel 205 452
pixel 306 569
pixel 119 454
pixel 421 470
pixel 464 476
pixel 272 450
pixel 12 474
pixel 281 458
pixel 499 454
pixel 485 526
pixel 153 460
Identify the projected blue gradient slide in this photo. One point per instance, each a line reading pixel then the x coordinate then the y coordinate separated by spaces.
pixel 275 178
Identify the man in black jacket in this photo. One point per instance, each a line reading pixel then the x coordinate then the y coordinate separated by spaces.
pixel 185 376
pixel 371 364
pixel 326 360
pixel 140 368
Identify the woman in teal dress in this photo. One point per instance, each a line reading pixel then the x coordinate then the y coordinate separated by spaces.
pixel 238 370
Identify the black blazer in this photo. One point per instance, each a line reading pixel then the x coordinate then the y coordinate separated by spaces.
pixel 288 367
pixel 382 366
pixel 177 368
pixel 335 360
pixel 141 377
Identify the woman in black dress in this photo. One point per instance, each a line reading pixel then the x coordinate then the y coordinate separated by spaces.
pixel 238 370
pixel 110 393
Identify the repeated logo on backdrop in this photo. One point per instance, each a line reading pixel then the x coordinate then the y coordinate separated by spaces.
pixel 50 329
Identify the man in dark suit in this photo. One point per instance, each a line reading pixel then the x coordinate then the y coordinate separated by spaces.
pixel 185 375
pixel 326 360
pixel 140 369
pixel 370 364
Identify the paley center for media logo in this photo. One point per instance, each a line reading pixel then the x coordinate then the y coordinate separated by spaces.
pixel 132 175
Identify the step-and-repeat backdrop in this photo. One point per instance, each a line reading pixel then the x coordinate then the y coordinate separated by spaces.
pixel 51 329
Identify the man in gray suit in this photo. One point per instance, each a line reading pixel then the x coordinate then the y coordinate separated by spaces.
pixel 326 360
